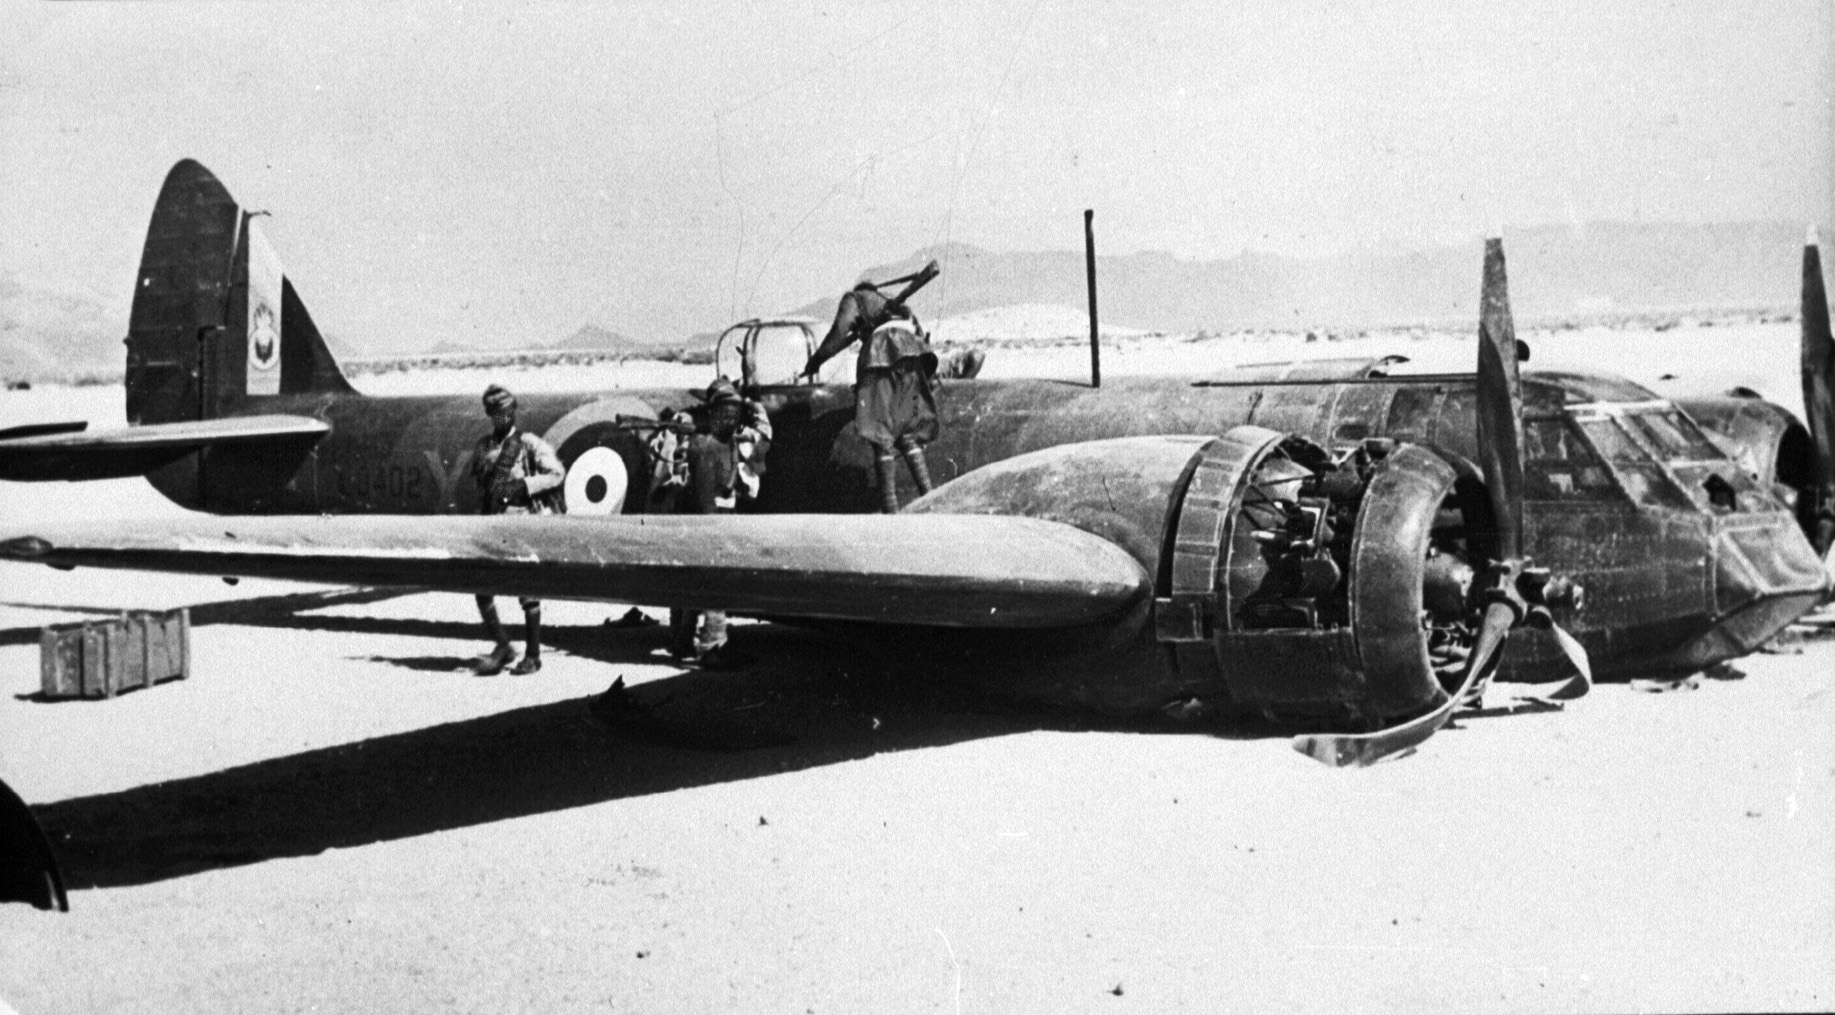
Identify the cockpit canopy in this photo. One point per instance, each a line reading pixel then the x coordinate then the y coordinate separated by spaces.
pixel 1650 449
pixel 769 352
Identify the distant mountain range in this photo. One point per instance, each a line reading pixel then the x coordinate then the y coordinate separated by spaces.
pixel 1555 272
pixel 589 338
pixel 594 338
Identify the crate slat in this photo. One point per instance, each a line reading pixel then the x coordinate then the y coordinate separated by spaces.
pixel 134 668
pixel 95 663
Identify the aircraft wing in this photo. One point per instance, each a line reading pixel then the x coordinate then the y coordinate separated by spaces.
pixel 69 451
pixel 985 571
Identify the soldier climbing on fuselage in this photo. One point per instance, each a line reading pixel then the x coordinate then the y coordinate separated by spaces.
pixel 895 404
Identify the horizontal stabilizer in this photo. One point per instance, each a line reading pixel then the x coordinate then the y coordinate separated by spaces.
pixel 985 571
pixel 66 451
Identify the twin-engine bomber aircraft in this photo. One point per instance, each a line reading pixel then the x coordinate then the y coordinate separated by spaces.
pixel 1316 542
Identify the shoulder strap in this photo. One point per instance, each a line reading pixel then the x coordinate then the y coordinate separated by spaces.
pixel 506 457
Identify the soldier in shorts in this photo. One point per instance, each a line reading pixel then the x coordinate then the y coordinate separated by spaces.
pixel 517 473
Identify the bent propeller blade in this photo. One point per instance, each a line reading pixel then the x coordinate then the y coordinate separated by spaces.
pixel 1500 405
pixel 1344 750
pixel 1582 683
pixel 1500 452
pixel 1500 416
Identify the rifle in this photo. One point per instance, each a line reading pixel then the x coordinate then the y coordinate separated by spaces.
pixel 914 281
pixel 917 279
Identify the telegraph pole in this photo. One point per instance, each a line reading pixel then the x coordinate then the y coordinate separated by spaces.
pixel 1089 262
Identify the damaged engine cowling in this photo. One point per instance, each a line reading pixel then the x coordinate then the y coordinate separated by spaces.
pixel 1317 584
pixel 1287 580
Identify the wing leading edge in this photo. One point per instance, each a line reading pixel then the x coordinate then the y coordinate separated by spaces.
pixel 69 452
pixel 984 571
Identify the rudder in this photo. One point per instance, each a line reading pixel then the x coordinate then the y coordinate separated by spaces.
pixel 216 324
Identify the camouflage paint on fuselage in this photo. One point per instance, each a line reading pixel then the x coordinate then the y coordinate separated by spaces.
pixel 1662 564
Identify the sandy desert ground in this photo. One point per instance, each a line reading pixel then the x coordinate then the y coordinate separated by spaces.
pixel 333 816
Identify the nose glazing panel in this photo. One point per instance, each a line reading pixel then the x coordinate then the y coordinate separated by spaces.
pixel 1765 575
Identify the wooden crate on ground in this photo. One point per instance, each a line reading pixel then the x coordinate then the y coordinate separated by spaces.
pixel 102 658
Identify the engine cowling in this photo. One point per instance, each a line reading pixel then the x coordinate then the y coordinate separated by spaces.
pixel 1301 580
pixel 1287 580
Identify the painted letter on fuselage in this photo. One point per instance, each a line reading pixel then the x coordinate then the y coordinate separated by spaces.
pixel 448 478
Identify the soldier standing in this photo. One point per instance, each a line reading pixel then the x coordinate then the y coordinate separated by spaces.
pixel 725 460
pixel 895 404
pixel 517 473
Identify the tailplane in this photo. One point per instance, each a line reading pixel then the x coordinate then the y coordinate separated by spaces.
pixel 216 325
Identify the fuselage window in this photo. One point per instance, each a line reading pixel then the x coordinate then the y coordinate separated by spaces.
pixel 1642 478
pixel 1675 438
pixel 1612 442
pixel 1559 466
pixel 1714 481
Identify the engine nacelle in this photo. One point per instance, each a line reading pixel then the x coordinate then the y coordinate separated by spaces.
pixel 1287 580
pixel 1301 581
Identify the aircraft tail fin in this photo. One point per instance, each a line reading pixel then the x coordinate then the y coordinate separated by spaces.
pixel 216 324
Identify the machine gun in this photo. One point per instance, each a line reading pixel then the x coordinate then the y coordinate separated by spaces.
pixel 680 423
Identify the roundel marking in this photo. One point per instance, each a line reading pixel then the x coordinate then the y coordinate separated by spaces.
pixel 596 483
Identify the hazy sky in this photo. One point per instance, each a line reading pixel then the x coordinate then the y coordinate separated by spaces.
pixel 500 174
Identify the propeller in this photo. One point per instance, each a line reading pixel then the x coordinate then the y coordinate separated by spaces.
pixel 1513 593
pixel 1818 364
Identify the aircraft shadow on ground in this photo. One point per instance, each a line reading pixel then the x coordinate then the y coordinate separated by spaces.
pixel 811 700
pixel 808 702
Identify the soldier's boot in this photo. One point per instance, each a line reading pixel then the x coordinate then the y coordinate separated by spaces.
pixel 920 470
pixel 712 650
pixel 492 663
pixel 532 653
pixel 887 471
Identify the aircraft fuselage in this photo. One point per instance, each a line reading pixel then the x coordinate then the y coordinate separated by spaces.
pixel 1676 575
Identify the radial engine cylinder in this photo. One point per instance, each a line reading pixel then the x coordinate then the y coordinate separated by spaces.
pixel 1296 578
pixel 1287 579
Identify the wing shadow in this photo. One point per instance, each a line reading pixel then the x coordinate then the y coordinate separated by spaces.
pixel 813 704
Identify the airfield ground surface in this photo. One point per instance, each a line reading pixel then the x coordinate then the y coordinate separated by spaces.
pixel 331 815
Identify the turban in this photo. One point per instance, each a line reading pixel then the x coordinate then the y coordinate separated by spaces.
pixel 497 399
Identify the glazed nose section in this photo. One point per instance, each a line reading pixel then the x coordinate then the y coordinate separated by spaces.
pixel 1766 575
